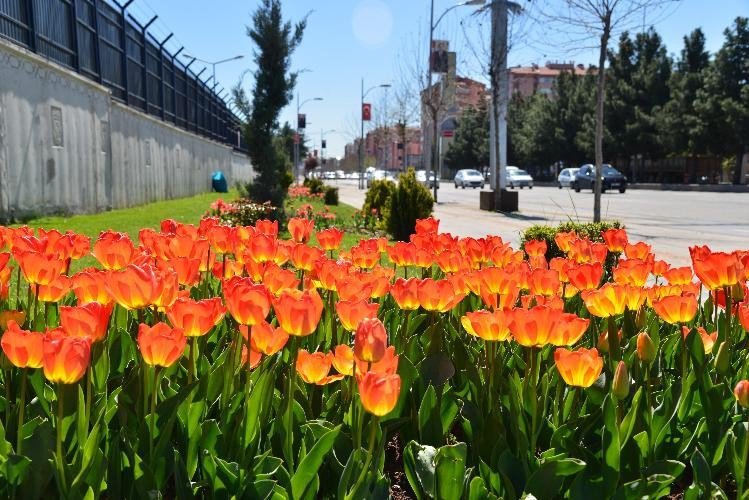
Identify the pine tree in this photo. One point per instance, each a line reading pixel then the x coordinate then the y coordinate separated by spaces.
pixel 275 41
pixel 470 147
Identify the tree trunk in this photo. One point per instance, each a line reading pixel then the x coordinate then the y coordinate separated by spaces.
pixel 600 89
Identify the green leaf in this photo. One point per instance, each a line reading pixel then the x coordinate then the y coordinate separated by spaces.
pixel 430 421
pixel 354 463
pixel 418 463
pixel 547 481
pixel 450 469
pixel 477 490
pixel 701 472
pixel 310 464
pixel 194 417
pixel 437 368
pixel 611 447
pixel 14 469
pixel 628 422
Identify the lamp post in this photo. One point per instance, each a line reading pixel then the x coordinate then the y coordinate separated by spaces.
pixel 435 110
pixel 361 138
pixel 213 63
pixel 298 136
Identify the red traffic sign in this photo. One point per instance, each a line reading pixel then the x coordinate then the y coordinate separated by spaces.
pixel 447 133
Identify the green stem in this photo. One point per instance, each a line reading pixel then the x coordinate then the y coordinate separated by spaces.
pixel 370 451
pixel 613 336
pixel 89 383
pixel 60 457
pixel 290 406
pixel 192 372
pixel 154 394
pixel 21 408
pixel 17 304
pixel 534 400
pixel 727 293
pixel 403 337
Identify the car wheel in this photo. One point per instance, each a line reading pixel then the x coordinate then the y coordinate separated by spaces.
pixel 603 189
pixel 456 185
pixel 560 185
pixel 622 190
pixel 577 187
pixel 530 187
pixel 462 186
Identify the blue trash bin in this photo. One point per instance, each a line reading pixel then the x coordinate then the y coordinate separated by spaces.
pixel 218 181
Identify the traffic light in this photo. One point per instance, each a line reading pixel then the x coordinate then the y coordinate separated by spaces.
pixel 323 146
pixel 366 111
pixel 301 121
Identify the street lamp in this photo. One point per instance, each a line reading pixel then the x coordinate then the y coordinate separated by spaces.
pixel 298 137
pixel 432 26
pixel 361 138
pixel 213 63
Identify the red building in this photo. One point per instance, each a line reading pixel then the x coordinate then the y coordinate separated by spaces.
pixel 528 80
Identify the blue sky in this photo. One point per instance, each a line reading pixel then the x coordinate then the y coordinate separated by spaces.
pixel 347 40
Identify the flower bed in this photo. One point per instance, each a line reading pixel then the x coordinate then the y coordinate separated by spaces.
pixel 218 360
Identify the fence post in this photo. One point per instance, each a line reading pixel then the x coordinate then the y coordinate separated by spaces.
pixel 31 24
pixel 123 30
pixel 174 85
pixel 97 42
pixel 161 75
pixel 74 35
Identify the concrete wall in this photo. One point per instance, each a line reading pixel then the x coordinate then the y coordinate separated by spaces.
pixel 67 146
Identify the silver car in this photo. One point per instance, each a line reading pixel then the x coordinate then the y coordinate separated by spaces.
pixel 519 178
pixel 468 177
pixel 421 176
pixel 566 176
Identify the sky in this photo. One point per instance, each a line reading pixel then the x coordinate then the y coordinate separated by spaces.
pixel 383 41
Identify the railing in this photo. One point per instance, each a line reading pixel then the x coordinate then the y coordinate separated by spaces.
pixel 102 41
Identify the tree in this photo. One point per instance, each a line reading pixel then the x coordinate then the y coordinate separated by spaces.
pixel 287 134
pixel 598 20
pixel 725 97
pixel 470 147
pixel 682 128
pixel 275 40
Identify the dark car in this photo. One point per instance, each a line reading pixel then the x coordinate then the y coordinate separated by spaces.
pixel 612 178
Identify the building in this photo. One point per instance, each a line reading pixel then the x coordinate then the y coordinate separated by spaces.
pixel 529 80
pixel 388 148
pixel 452 94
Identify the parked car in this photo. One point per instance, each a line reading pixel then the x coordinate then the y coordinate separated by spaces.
pixel 518 177
pixel 378 175
pixel 328 175
pixel 468 177
pixel 340 174
pixel 421 176
pixel 611 178
pixel 566 177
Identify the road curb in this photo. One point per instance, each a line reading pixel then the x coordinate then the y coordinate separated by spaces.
pixel 706 188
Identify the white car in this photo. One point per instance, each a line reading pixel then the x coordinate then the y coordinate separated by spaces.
pixel 421 176
pixel 468 177
pixel 518 177
pixel 566 176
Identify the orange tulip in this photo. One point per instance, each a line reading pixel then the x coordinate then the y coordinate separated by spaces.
pixel 252 357
pixel 640 250
pixel 544 282
pixel 564 240
pixel 660 267
pixel 351 313
pixel 405 292
pixel 39 269
pixel 534 327
pixel 708 339
pixel 632 272
pixel 4 258
pixel 616 240
pixel 535 248
pixel 327 271
pixel 277 280
pixel 676 308
pixel 89 321
pixel 379 393
pixel 366 256
pixel 401 253
pixel 388 365
pixel 580 368
pixel 635 297
pixel 135 286
pixel 267 227
pixel 378 278
pixel 226 269
pixel 23 348
pixel 248 303
pixel 262 248
pixel 352 288
pixel 221 239
pixel 488 325
pixel 160 344
pixel 91 286
pixel 65 359
pixel 196 317
pixel 315 368
pixel 343 359
pixel 298 312
pixel 266 339
pixel 585 276
pixel 452 261
pixel 609 300
pixel 717 270
pixel 741 393
pixel 55 291
pixel 438 295
pixel 168 289
pixel 330 239
pixel 7 316
pixel 370 340
pixel 301 229
pixel 304 257
pixel 679 275
pixel 186 268
pixel 569 329
pixel 430 225
pixel 743 314
pixel 114 250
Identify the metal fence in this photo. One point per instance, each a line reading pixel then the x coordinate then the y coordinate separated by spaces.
pixel 101 40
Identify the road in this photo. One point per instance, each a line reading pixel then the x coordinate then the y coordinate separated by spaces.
pixel 670 221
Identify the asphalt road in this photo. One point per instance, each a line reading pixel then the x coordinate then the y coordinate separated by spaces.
pixel 671 221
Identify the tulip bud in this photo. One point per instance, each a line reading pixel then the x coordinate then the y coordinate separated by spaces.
pixel 645 348
pixel 603 342
pixel 620 385
pixel 723 359
pixel 741 392
pixel 737 293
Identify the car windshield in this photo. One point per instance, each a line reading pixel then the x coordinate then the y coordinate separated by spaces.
pixel 610 171
pixel 519 172
pixel 472 172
